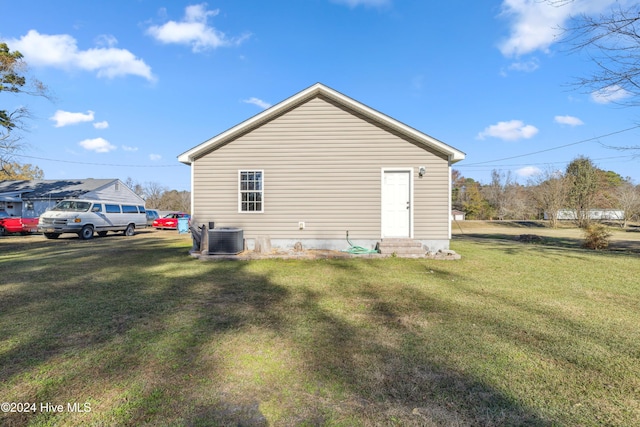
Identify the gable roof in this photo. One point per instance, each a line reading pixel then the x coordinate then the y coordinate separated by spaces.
pixel 311 92
pixel 54 189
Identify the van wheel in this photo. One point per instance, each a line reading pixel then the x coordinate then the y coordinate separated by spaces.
pixel 51 235
pixel 86 233
pixel 130 230
pixel 2 231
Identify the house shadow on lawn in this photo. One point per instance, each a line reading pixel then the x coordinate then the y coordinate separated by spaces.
pixel 150 336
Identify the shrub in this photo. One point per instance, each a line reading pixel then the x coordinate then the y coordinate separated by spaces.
pixel 596 236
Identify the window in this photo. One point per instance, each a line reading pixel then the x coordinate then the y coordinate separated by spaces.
pixel 112 208
pixel 97 207
pixel 129 209
pixel 71 206
pixel 251 185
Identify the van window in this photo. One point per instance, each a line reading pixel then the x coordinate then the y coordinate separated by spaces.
pixel 97 207
pixel 112 208
pixel 141 209
pixel 129 209
pixel 72 206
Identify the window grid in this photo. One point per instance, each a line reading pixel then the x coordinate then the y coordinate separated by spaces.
pixel 251 191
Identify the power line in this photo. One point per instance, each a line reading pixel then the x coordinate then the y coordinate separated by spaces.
pixel 96 164
pixel 559 162
pixel 553 148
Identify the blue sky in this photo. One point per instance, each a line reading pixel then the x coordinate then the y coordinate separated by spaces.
pixel 138 82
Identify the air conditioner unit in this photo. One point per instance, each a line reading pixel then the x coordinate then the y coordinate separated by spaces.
pixel 225 241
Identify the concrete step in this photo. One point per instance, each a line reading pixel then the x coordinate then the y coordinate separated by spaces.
pixel 391 242
pixel 401 247
pixel 402 251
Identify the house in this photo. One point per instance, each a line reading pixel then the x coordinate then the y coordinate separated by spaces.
pixel 594 214
pixel 457 215
pixel 319 165
pixel 29 199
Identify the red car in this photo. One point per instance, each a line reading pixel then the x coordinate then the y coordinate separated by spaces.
pixel 170 221
pixel 15 224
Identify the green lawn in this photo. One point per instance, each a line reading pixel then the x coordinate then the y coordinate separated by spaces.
pixel 512 334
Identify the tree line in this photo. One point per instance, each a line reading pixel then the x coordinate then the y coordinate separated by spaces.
pixel 580 188
pixel 159 197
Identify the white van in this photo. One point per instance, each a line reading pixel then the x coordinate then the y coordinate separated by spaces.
pixel 84 217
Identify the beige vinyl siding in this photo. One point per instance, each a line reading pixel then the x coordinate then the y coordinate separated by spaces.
pixel 322 166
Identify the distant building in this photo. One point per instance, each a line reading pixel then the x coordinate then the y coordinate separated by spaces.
pixel 594 214
pixel 30 199
pixel 457 215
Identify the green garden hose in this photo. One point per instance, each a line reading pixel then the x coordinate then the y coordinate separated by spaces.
pixel 358 250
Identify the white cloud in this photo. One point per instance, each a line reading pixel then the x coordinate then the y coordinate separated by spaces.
pixel 568 120
pixel 194 31
pixel 101 125
pixel 528 171
pixel 525 66
pixel 155 157
pixel 256 101
pixel 368 3
pixel 106 40
pixel 610 94
pixel 61 51
pixel 65 118
pixel 509 131
pixel 128 148
pixel 535 25
pixel 99 145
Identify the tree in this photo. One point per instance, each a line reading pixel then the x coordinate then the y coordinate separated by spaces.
pixel 523 206
pixel 612 41
pixel 457 188
pixel 14 80
pixel 175 201
pixel 583 180
pixel 153 194
pixel 500 194
pixel 473 204
pixel 628 198
pixel 135 186
pixel 550 192
pixel 608 184
pixel 17 171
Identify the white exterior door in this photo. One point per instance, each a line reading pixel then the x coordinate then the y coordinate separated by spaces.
pixel 396 203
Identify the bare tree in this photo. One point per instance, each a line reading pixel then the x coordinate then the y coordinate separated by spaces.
pixel 612 42
pixel 175 200
pixel 550 191
pixel 500 193
pixel 153 192
pixel 185 201
pixel 628 199
pixel 135 186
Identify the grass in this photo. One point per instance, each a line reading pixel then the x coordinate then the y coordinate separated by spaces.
pixel 512 334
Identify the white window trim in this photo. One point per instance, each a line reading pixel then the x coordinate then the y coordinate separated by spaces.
pixel 240 192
